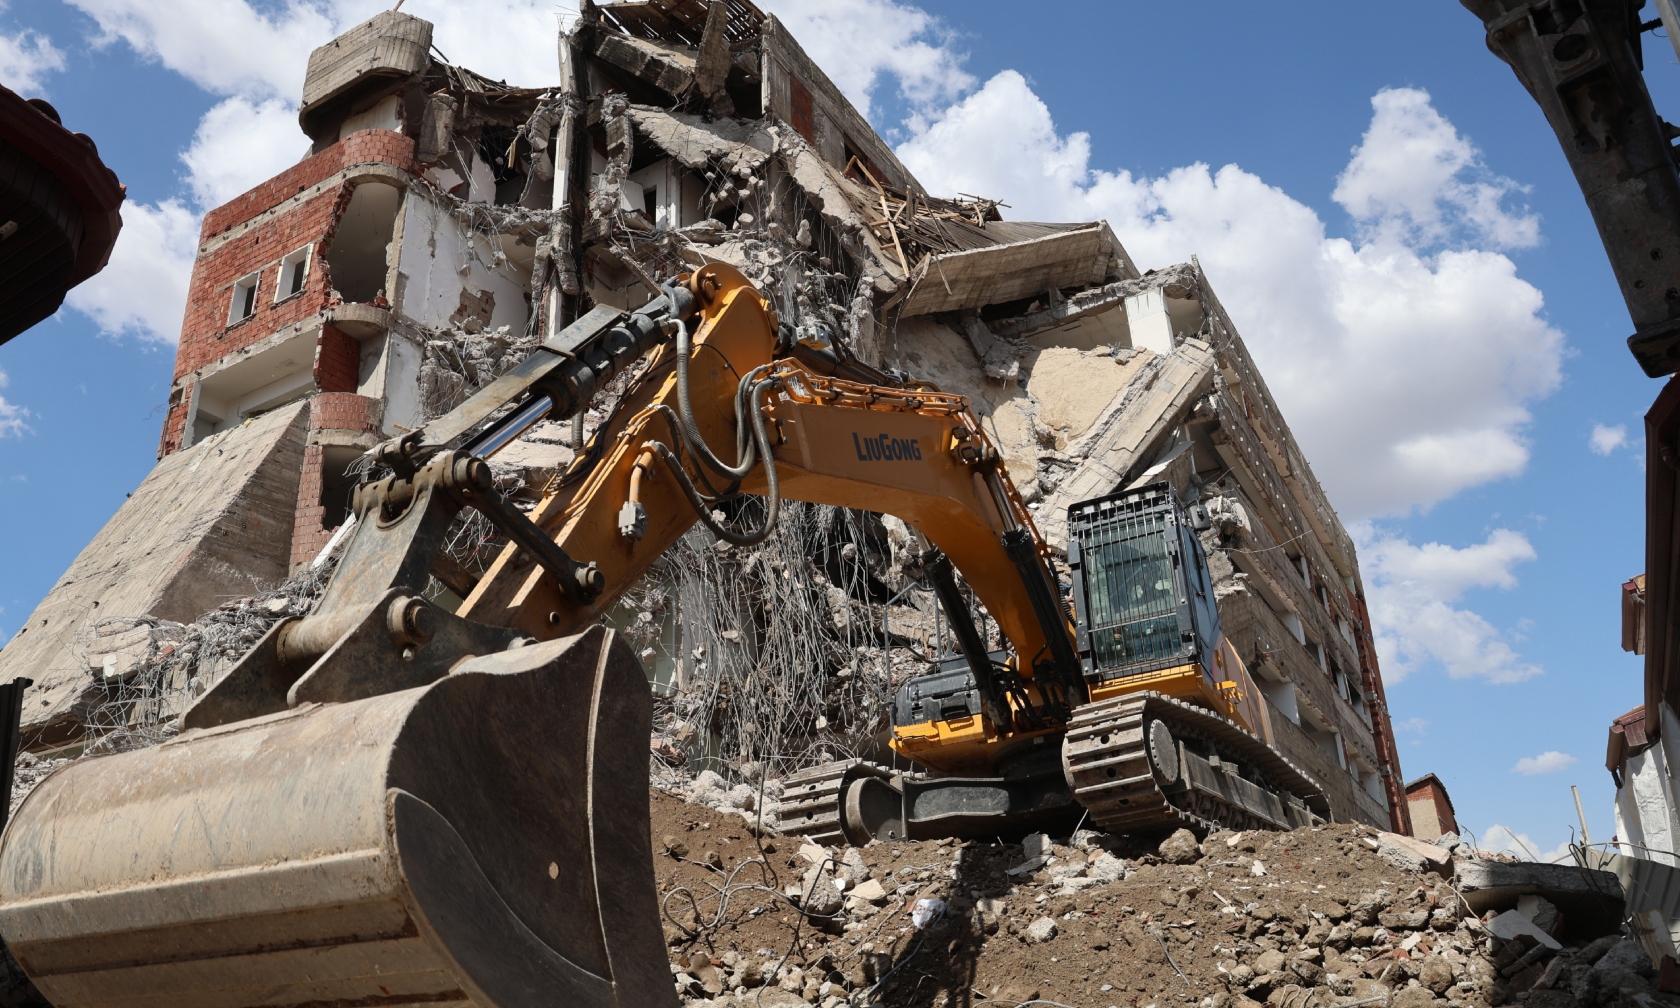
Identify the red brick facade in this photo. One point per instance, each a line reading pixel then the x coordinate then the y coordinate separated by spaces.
pixel 206 336
pixel 337 358
pixel 328 411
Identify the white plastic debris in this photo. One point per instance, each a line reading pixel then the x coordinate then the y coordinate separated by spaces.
pixel 1257 869
pixel 926 911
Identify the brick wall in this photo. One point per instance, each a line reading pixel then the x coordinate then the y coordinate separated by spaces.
pixel 328 411
pixel 337 359
pixel 205 334
pixel 381 146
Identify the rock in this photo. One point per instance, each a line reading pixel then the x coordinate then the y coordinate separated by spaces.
pixel 870 891
pixel 852 866
pixel 1414 997
pixel 1543 912
pixel 1180 848
pixel 700 968
pixel 1404 920
pixel 713 860
pixel 1512 925
pixel 1550 999
pixel 1270 961
pixel 709 789
pixel 1041 930
pixel 1413 855
pixel 674 847
pixel 822 899
pixel 1369 905
pixel 1035 845
pixel 1106 868
pixel 1436 974
pixel 814 854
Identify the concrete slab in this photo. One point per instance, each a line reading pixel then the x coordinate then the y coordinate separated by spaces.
pixel 209 523
pixel 1591 900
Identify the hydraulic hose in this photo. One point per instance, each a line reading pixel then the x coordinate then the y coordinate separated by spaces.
pixel 691 430
pixel 760 442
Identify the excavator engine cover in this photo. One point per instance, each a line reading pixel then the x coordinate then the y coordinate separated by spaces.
pixel 467 842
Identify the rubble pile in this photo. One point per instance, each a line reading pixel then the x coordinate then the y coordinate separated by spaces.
pixel 148 670
pixel 1336 915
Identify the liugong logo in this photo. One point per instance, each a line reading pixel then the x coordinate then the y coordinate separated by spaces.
pixel 885 448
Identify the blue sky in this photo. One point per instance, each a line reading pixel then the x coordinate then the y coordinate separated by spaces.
pixel 1380 207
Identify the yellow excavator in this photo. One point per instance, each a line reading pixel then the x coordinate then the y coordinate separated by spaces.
pixel 388 803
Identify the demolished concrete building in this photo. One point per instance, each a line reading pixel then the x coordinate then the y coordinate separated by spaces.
pixel 444 223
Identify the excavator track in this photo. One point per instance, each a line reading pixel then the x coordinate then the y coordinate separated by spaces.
pixel 811 799
pixel 1147 763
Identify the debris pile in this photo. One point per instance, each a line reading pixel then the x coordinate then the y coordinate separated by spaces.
pixel 786 654
pixel 1330 916
pixel 149 670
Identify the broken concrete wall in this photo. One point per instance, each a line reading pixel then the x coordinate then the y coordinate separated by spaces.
pixel 208 523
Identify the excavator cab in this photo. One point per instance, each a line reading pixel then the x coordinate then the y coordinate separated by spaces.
pixel 1143 601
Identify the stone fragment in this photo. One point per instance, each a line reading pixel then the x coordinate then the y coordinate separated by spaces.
pixel 870 891
pixel 1180 848
pixel 1543 912
pixel 1041 930
pixel 1269 961
pixel 1106 868
pixel 1413 855
pixel 674 847
pixel 1436 974
pixel 1512 925
pixel 1414 997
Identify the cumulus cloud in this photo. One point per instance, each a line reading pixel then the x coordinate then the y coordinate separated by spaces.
pixel 143 291
pixel 860 42
pixel 1504 839
pixel 1412 590
pixel 1415 178
pixel 12 416
pixel 240 143
pixel 1605 440
pixel 26 57
pixel 1550 761
pixel 1448 344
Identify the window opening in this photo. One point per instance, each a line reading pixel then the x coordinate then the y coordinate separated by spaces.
pixel 244 299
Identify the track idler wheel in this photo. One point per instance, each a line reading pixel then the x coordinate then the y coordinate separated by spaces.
pixel 872 809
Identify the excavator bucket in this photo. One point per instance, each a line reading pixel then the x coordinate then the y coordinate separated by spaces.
pixel 476 841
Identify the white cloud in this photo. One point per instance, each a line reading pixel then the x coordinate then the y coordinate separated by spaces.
pixel 1503 838
pixel 1547 762
pixel 1412 590
pixel 1605 440
pixel 26 57
pixel 12 416
pixel 1448 345
pixel 239 144
pixel 858 42
pixel 143 291
pixel 1414 725
pixel 1413 177
pixel 224 46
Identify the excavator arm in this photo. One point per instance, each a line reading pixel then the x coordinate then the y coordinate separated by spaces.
pixel 385 802
pixel 852 437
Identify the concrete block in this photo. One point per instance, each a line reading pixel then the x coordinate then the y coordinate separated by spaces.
pixel 1591 901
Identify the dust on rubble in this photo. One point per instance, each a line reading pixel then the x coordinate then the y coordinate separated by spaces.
pixel 1320 917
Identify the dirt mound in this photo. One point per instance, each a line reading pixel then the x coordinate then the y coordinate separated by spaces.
pixel 1318 917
